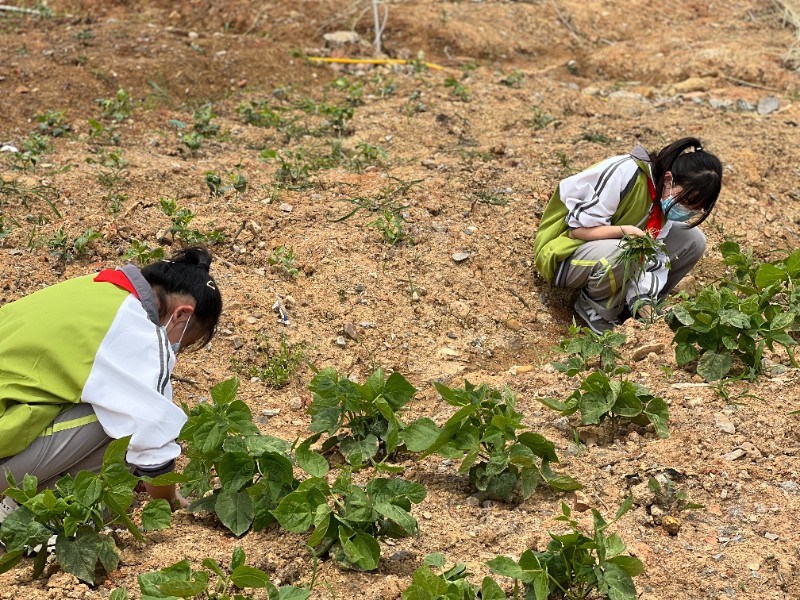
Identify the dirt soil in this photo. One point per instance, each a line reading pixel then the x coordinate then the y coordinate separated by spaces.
pixel 530 91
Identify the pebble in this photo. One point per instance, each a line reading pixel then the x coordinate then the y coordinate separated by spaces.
pixel 296 403
pixel 349 330
pixel 768 105
pixel 581 502
pixel 237 342
pixel 341 38
pixel 772 536
pixel 284 207
pixel 790 486
pixel 429 163
pixel 562 424
pixel 734 455
pixel 473 501
pixel 724 423
pixel 271 412
pixel 341 342
pixel 642 352
pixel 461 256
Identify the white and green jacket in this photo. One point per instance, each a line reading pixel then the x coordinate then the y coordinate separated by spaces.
pixel 90 340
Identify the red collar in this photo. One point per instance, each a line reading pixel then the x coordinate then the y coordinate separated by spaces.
pixel 656 219
pixel 118 278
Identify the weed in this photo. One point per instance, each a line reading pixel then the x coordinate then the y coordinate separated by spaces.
pixel 117 108
pixel 193 141
pixel 110 166
pixel 283 261
pixel 490 198
pixel 202 121
pixel 76 511
pixel 365 155
pixel 513 79
pixel 293 167
pixel 457 89
pixel 33 147
pixel 258 113
pixel 5 230
pixel 596 138
pixel 575 566
pixel 483 433
pixel 179 229
pixel 102 134
pixel 540 119
pixel 25 195
pixel 414 104
pixel 235 180
pixel 53 123
pixel 391 225
pixel 142 253
pixel 275 366
pixel 668 497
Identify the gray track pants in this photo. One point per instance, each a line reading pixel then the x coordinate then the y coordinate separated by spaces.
pixel 586 269
pixel 74 442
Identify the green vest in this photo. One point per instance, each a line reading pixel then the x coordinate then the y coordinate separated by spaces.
pixel 553 243
pixel 48 342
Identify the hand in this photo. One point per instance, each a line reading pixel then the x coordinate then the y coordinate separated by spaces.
pixel 631 230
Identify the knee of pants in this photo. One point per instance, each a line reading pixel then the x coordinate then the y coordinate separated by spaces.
pixel 695 248
pixel 606 278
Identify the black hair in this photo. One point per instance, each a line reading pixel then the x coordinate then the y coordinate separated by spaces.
pixel 699 173
pixel 186 272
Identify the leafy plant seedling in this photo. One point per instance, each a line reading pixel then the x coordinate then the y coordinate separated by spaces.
pixel 449 584
pixel 483 432
pixel 584 347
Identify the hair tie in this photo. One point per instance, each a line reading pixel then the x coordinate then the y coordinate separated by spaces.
pixel 698 148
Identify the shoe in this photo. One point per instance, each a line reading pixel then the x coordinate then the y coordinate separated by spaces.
pixel 7 506
pixel 593 320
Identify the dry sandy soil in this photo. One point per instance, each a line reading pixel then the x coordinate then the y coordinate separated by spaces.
pixel 588 80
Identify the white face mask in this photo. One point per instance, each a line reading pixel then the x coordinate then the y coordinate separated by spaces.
pixel 175 347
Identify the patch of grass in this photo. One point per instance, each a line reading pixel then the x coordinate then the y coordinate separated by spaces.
pixel 275 365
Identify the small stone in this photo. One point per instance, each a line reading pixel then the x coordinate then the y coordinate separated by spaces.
pixel 734 455
pixel 581 502
pixel 461 256
pixel 340 38
pixel 449 352
pixel 562 424
pixel 349 330
pixel 296 403
pixel 487 504
pixel 790 486
pixel 429 163
pixel 513 324
pixel 252 320
pixel 285 207
pixel 641 352
pixel 520 369
pixel 768 105
pixel 473 501
pixel 237 342
pixel 724 423
pixel 572 449
pixel 744 105
pixel 23 89
pixel 671 524
pixel 341 342
pixel 271 412
pixel 692 84
pixel 427 516
pixel 772 536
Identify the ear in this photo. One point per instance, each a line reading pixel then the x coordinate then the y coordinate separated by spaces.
pixel 668 178
pixel 182 312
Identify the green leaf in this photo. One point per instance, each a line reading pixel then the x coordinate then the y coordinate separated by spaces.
pixel 553 403
pixel 768 274
pixel 115 452
pixel 9 560
pixel 392 491
pixel 619 583
pixel 88 488
pixel 685 353
pixel 249 577
pixel 235 511
pixel 20 529
pixel 311 462
pixel 237 558
pixel 657 413
pixel 79 555
pixel 624 507
pixel 631 565
pixel 628 404
pixel 149 583
pixel 169 479
pixel 235 470
pixel 539 445
pixel 435 559
pixel 107 553
pixel 508 567
pixel 187 588
pixel 420 435
pixel 156 515
pixel 361 550
pixel 490 590
pixel 295 512
pixel 713 366
pixel 400 516
pixel 398 391
pixel 225 392
pixel 289 592
pixel 120 593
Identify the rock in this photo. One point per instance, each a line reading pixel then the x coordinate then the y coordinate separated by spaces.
pixel 349 330
pixel 519 370
pixel 271 412
pixel 657 513
pixel 296 403
pixel 473 501
pixel 744 105
pixel 671 524
pixel 751 450
pixel 772 536
pixel 562 424
pixel 790 486
pixel 572 449
pixel 23 89
pixel 734 455
pixel 642 351
pixel 237 342
pixel 341 342
pixel 768 105
pixel 285 207
pixel 513 324
pixel 724 423
pixel 692 84
pixel 460 256
pixel 580 502
pixel 448 352
pixel 336 39
pixel 429 163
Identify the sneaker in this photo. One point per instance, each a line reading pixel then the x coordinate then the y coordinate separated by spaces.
pixel 7 506
pixel 593 320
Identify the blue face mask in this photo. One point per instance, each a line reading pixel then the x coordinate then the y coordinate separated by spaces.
pixel 676 212
pixel 177 345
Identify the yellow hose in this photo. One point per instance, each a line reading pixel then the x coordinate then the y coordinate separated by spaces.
pixel 372 61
